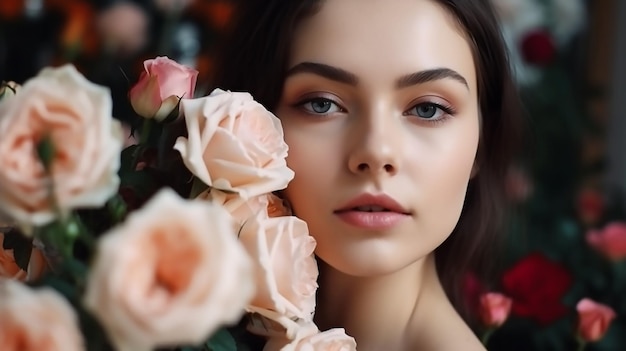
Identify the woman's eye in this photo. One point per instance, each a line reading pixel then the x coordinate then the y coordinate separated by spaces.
pixel 321 106
pixel 429 110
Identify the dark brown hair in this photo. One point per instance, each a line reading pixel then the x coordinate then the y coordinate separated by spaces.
pixel 255 60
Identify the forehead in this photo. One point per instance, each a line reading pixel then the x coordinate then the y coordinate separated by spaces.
pixel 395 37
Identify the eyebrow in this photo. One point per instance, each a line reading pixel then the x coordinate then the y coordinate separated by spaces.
pixel 343 76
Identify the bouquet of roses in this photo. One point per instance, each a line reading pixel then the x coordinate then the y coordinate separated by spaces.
pixel 106 247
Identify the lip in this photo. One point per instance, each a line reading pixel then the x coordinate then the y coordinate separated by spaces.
pixel 382 200
pixel 383 220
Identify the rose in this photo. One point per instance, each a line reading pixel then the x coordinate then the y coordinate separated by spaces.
pixel 277 207
pixel 590 206
pixel 594 319
pixel 234 144
pixel 161 86
pixel 171 274
pixel 494 309
pixel 310 339
pixel 36 320
pixel 123 27
pixel 537 286
pixel 86 145
pixel 286 271
pixel 610 241
pixel 9 269
pixel 538 47
pixel 8 89
pixel 239 208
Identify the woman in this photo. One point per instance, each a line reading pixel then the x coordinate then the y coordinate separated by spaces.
pixel 400 117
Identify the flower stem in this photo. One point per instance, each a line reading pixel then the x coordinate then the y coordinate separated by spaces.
pixel 145 131
pixel 581 344
pixel 487 335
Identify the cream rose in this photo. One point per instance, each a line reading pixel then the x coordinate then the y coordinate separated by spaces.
pixel 76 115
pixel 36 320
pixel 311 340
pixel 171 274
pixel 234 144
pixel 286 271
pixel 9 268
pixel 8 89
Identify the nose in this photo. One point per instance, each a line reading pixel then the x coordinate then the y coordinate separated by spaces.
pixel 376 145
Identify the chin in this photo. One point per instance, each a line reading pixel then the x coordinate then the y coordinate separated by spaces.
pixel 368 263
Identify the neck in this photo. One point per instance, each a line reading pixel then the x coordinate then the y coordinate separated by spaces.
pixel 382 312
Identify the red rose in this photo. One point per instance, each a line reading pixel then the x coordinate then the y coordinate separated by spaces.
pixel 537 285
pixel 538 47
pixel 590 206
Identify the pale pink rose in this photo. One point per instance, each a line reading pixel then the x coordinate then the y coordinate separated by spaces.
pixel 123 28
pixel 36 320
pixel 594 319
pixel 286 271
pixel 37 265
pixel 8 89
pixel 494 309
pixel 171 274
pixel 161 86
pixel 334 339
pixel 610 241
pixel 234 144
pixel 75 115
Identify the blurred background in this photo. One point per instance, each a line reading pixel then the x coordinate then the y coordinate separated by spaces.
pixel 567 238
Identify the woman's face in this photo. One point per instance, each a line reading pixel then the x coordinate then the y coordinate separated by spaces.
pixel 381 116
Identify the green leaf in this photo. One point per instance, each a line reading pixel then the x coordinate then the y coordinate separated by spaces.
pixel 222 340
pixel 21 246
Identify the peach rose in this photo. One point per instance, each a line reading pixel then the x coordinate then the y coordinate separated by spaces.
pixel 8 89
pixel 36 320
pixel 239 208
pixel 9 269
pixel 494 309
pixel 161 86
pixel 286 271
pixel 334 339
pixel 171 274
pixel 123 27
pixel 594 319
pixel 234 144
pixel 86 140
pixel 610 241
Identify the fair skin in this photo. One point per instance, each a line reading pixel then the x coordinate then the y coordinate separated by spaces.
pixel 382 100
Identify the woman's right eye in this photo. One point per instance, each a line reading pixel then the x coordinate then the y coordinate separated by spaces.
pixel 320 106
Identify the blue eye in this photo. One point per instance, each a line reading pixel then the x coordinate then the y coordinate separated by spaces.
pixel 320 106
pixel 430 111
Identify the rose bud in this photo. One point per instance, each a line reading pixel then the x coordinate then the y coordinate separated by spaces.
pixel 594 319
pixel 160 88
pixel 494 309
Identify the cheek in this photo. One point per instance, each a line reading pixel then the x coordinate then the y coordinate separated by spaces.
pixel 311 161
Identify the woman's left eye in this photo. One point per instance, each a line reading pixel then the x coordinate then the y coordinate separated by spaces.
pixel 430 111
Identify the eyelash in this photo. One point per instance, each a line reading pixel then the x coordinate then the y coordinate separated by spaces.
pixel 447 110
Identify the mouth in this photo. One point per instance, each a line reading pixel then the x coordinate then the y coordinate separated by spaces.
pixel 373 203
